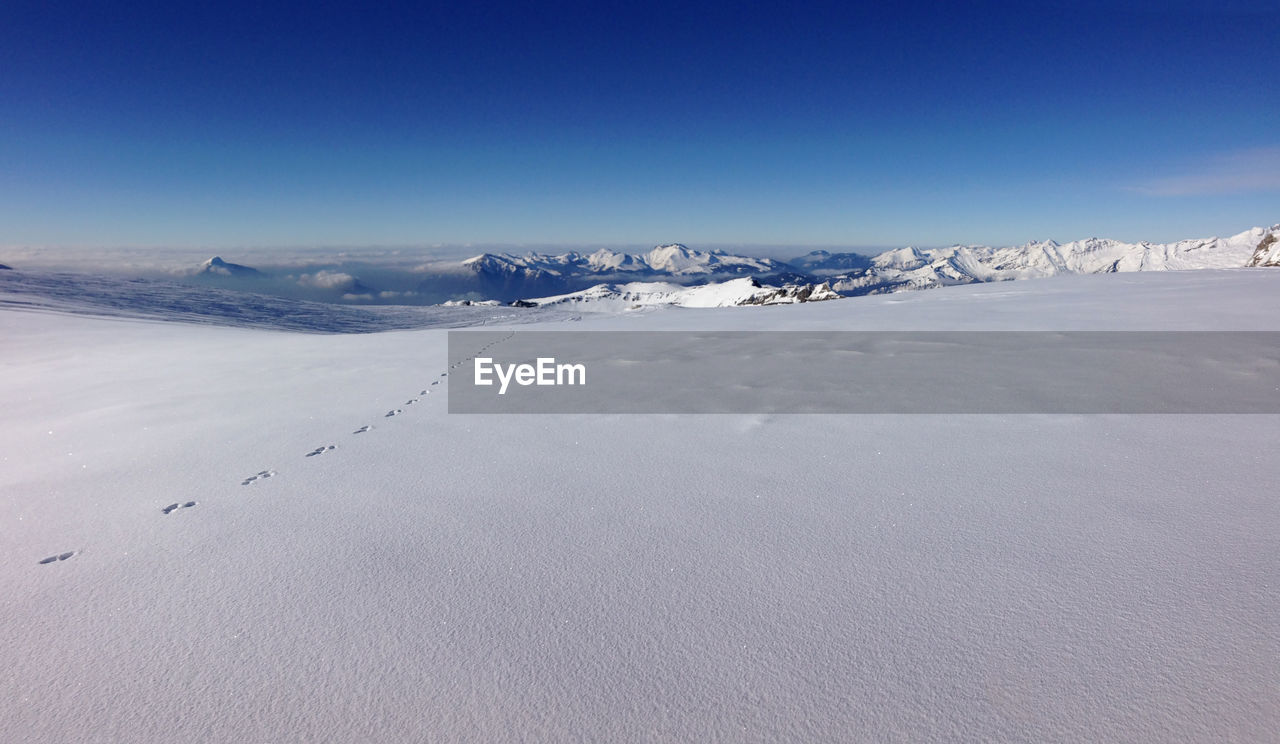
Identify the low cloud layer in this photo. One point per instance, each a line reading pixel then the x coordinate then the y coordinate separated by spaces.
pixel 327 280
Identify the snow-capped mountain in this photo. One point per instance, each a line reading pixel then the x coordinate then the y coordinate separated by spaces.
pixel 673 259
pixel 508 276
pixel 916 268
pixel 217 267
pixel 735 292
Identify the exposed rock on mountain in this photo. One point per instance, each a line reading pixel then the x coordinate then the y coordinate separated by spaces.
pixel 1268 251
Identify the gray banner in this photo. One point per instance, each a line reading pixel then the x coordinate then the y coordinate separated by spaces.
pixel 864 372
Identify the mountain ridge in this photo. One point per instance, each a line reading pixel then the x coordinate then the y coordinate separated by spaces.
pixel 735 292
pixel 508 277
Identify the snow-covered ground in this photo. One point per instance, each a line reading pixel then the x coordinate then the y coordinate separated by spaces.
pixel 640 295
pixel 442 577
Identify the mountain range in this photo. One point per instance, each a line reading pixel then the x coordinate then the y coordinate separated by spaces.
pixel 506 276
pixel 914 268
pixel 658 276
pixel 552 278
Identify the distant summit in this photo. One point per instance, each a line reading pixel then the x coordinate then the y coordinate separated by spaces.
pixel 5 268
pixel 217 267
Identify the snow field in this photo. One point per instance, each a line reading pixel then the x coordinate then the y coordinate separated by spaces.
pixel 632 578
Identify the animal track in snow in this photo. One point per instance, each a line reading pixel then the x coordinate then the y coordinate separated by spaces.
pixel 437 382
pixel 411 401
pixel 257 476
pixel 362 429
pixel 319 450
pixel 171 508
pixel 393 412
pixel 58 557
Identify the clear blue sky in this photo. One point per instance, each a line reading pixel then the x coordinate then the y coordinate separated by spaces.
pixel 216 124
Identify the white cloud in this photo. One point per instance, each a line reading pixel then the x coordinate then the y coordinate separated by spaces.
pixel 327 280
pixel 1257 169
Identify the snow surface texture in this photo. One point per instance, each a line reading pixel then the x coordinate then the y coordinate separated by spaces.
pixel 331 573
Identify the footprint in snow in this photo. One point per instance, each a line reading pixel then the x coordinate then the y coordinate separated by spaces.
pixel 257 476
pixel 362 429
pixel 171 508
pixel 58 557
pixel 319 451
pixel 411 401
pixel 437 382
pixel 393 412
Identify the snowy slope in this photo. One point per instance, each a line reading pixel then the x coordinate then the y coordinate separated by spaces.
pixel 636 295
pixel 622 578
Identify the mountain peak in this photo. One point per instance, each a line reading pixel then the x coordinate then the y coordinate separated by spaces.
pixel 217 267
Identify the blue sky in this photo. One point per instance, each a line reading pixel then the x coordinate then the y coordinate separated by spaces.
pixel 576 123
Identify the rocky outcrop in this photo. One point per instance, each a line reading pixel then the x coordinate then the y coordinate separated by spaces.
pixel 1268 251
pixel 791 294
